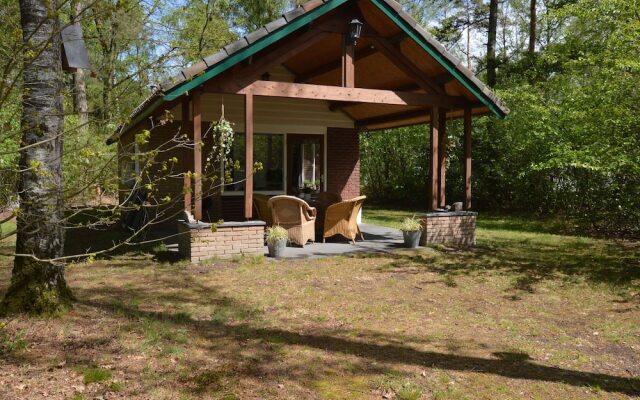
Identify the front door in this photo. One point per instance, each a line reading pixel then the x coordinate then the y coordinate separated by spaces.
pixel 305 164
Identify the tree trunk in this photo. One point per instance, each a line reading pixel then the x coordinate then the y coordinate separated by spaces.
pixel 79 86
pixel 533 21
pixel 491 43
pixel 468 15
pixel 37 285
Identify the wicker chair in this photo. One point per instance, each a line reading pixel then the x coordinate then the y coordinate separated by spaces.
pixel 342 219
pixel 296 216
pixel 260 202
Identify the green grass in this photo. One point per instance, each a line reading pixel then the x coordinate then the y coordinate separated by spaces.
pixel 92 375
pixel 530 312
pixel 530 251
pixel 7 227
pixel 385 217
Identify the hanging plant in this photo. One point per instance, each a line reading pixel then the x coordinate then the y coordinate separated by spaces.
pixel 222 136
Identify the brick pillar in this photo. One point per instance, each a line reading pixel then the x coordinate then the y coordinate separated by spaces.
pixel 343 162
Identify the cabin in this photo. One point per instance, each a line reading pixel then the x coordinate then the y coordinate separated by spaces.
pixel 299 91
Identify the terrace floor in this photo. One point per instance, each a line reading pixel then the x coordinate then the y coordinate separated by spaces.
pixel 377 239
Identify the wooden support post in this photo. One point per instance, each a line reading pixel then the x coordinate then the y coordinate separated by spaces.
pixel 467 158
pixel 185 129
pixel 442 158
pixel 187 191
pixel 248 142
pixel 348 65
pixel 197 153
pixel 433 168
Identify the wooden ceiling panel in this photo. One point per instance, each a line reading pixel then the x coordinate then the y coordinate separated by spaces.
pixel 416 120
pixel 380 73
pixel 364 111
pixel 415 54
pixel 376 20
pixel 329 48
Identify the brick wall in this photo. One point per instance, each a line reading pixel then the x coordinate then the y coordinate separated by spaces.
pixel 457 228
pixel 343 162
pixel 198 242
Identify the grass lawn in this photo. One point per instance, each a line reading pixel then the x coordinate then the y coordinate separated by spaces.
pixel 526 314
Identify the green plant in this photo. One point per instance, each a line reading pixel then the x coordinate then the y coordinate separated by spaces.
pixel 410 225
pixel 276 233
pixel 116 387
pixel 311 185
pixel 96 375
pixel 409 391
pixel 10 342
pixel 160 248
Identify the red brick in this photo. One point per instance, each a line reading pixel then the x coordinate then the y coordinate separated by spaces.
pixel 343 162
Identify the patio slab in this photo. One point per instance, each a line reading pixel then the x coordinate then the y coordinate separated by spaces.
pixel 378 239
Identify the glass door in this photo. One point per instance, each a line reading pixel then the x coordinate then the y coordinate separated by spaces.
pixel 305 165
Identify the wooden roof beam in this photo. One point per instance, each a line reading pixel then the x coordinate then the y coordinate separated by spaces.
pixel 341 94
pixel 384 119
pixel 340 105
pixel 392 51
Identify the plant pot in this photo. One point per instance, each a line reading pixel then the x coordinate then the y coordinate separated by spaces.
pixel 276 249
pixel 411 238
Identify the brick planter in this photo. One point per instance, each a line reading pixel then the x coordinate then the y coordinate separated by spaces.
pixel 456 228
pixel 198 241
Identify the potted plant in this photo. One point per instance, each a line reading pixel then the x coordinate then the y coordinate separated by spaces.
pixel 309 187
pixel 411 231
pixel 277 238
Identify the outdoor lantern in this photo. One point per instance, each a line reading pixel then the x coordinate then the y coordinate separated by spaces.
pixel 355 30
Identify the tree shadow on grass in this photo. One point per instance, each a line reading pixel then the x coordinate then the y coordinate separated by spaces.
pixel 516 366
pixel 530 262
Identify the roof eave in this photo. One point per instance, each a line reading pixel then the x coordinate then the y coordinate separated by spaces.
pixel 442 56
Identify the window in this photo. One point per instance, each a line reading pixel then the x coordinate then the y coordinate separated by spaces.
pixel 129 168
pixel 268 149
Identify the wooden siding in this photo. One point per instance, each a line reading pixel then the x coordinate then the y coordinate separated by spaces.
pixel 274 115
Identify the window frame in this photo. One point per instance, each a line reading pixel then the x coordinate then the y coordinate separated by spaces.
pixel 231 193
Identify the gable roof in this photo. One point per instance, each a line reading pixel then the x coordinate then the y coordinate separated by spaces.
pixel 244 48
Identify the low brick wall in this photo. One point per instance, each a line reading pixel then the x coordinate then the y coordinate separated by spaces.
pixel 457 228
pixel 199 241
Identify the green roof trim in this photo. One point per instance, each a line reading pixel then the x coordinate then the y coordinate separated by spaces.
pixel 234 53
pixel 252 49
pixel 428 47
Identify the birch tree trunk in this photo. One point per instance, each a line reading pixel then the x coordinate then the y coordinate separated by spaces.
pixel 37 285
pixel 79 86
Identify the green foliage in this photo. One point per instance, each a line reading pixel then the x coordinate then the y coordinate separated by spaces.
pixel 393 165
pixel 10 342
pixel 201 28
pixel 116 387
pixel 276 233
pixel 570 144
pixel 410 225
pixel 92 375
